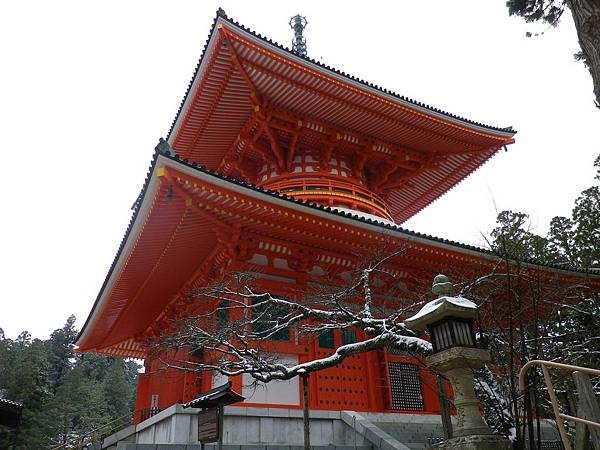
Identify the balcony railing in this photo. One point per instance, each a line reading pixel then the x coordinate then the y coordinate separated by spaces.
pixel 335 190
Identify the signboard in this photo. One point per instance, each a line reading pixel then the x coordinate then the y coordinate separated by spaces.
pixel 208 425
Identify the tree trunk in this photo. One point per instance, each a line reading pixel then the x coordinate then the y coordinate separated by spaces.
pixel 588 405
pixel 537 413
pixel 582 437
pixel 532 445
pixel 586 14
pixel 221 421
pixel 305 407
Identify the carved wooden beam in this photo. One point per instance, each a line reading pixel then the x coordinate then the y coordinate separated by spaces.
pixel 292 150
pixel 378 116
pixel 275 146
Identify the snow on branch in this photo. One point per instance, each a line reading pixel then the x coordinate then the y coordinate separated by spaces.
pixel 236 324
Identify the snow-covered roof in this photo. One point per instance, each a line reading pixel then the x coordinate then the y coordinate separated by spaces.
pixel 10 402
pixel 219 396
pixel 441 307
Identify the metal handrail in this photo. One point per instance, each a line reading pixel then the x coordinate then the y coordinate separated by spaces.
pixel 560 417
pixel 79 442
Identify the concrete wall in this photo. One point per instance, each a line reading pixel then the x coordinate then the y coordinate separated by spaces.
pixel 249 428
pixel 256 428
pixel 174 425
pixel 281 426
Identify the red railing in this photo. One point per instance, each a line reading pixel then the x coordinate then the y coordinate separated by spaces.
pixel 324 189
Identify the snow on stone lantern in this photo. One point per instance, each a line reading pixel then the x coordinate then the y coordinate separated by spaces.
pixel 449 321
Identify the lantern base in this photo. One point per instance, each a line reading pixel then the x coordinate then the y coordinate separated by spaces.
pixel 475 442
pixel 458 357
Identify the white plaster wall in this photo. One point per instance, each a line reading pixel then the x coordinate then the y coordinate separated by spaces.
pixel 275 392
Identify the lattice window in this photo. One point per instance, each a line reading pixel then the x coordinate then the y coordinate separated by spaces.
pixel 405 384
pixel 223 314
pixel 552 445
pixel 348 337
pixel 391 350
pixel 326 339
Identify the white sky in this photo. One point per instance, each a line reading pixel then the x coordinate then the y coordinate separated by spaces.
pixel 87 89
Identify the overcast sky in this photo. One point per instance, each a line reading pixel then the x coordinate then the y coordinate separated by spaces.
pixel 88 88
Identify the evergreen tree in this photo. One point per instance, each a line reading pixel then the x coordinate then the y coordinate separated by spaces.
pixel 512 238
pixel 117 389
pixel 78 407
pixel 60 351
pixel 586 15
pixel 6 362
pixel 65 395
pixel 132 370
pixel 496 404
pixel 563 322
pixel 27 382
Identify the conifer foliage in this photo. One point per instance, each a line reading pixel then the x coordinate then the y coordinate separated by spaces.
pixel 586 15
pixel 64 394
pixel 541 319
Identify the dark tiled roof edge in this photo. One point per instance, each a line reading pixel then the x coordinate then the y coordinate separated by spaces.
pixel 221 13
pixel 11 402
pixel 136 209
pixel 381 224
pixel 315 206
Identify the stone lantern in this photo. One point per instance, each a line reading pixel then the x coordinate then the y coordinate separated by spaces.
pixel 449 321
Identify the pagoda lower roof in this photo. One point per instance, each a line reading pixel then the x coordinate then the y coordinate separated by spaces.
pixel 241 73
pixel 179 222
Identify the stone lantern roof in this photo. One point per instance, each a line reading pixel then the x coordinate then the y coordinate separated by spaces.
pixel 446 305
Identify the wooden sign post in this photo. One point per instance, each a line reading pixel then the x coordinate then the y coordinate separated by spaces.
pixel 208 425
pixel 210 419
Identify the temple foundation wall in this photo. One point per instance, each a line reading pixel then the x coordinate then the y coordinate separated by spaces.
pixel 248 428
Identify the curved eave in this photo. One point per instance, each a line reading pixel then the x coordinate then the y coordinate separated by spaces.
pixel 110 303
pixel 222 20
pixel 217 107
pixel 374 226
pixel 133 231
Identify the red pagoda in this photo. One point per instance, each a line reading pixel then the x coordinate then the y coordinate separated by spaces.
pixel 279 165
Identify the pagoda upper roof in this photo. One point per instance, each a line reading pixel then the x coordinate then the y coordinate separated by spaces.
pixel 240 71
pixel 172 232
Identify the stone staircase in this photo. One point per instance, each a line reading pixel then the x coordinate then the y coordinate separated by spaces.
pixel 416 436
pixel 419 432
pixel 278 447
pixel 414 431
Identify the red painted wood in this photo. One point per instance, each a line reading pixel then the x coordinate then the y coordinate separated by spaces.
pixel 261 116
